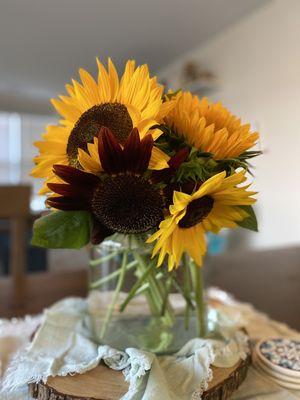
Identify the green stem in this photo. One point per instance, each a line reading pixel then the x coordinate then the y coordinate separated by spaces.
pixel 146 286
pixel 185 295
pixel 155 294
pixel 199 299
pixel 113 275
pixel 168 286
pixel 115 296
pixel 136 287
pixel 98 261
pixel 187 289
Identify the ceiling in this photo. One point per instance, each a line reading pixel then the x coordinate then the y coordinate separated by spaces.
pixel 44 42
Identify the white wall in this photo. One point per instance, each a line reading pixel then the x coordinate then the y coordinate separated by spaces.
pixel 258 63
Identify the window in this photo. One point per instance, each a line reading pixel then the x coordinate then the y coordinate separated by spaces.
pixel 17 134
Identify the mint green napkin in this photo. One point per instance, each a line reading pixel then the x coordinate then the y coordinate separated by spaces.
pixel 64 344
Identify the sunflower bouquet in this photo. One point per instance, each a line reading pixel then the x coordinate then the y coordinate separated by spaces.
pixel 158 169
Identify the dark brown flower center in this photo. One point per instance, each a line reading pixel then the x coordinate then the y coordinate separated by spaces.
pixel 112 115
pixel 196 211
pixel 127 204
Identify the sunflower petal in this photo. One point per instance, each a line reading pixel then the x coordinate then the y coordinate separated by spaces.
pixel 110 152
pixel 146 147
pixel 210 127
pixel 74 176
pixel 69 190
pixel 67 203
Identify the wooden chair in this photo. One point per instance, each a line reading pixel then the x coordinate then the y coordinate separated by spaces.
pixel 15 207
pixel 22 293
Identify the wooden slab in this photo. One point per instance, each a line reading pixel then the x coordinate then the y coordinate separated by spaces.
pixel 102 383
pixel 226 380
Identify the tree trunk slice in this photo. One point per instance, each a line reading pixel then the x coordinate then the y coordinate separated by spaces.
pixel 103 383
pixel 226 380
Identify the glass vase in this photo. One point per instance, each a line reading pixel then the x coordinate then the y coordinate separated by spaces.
pixel 135 304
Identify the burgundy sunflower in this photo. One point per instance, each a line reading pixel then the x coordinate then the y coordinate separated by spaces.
pixel 121 198
pixel 166 174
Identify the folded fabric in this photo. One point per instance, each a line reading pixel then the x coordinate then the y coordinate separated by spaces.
pixel 64 344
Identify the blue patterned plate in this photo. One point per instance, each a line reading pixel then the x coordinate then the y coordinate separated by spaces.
pixel 274 374
pixel 280 354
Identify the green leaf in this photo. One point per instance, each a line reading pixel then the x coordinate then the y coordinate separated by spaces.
pixel 249 222
pixel 62 230
pixel 250 154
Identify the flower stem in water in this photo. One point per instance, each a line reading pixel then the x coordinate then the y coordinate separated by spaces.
pixel 199 299
pixel 116 294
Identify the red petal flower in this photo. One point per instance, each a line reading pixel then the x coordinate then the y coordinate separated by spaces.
pixel 165 175
pixel 134 157
pixel 137 153
pixel 179 158
pixel 110 152
pixel 123 200
pixel 69 190
pixel 74 176
pixel 68 203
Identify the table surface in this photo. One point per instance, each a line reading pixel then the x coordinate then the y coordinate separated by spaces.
pixel 16 333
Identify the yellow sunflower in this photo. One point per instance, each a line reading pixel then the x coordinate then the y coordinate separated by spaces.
pixel 210 127
pixel 134 101
pixel 213 206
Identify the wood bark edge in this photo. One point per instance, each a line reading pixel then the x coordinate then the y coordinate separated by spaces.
pixel 41 391
pixel 222 391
